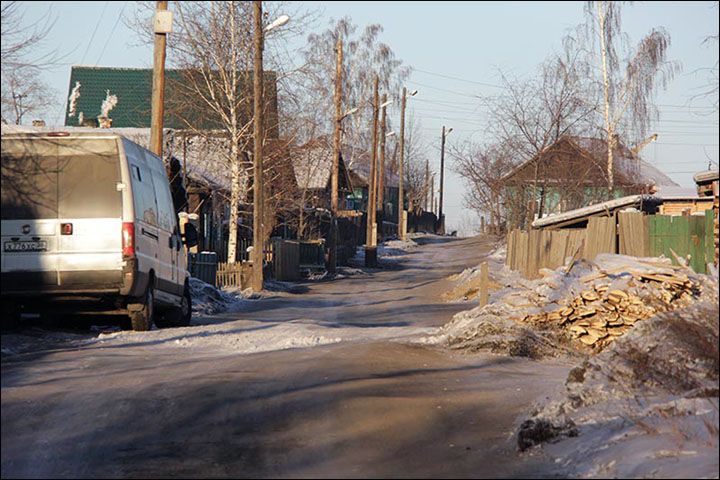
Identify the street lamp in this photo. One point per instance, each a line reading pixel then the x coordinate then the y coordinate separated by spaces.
pixel 402 225
pixel 279 22
pixel 442 177
pixel 258 252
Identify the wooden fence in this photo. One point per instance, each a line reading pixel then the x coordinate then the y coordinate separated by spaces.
pixel 687 236
pixel 627 233
pixel 238 274
pixel 234 274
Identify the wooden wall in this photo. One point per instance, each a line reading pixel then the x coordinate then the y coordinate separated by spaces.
pixel 626 233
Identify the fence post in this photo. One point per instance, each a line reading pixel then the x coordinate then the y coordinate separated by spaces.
pixel 484 284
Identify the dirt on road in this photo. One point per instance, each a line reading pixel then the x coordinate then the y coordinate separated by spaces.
pixel 330 383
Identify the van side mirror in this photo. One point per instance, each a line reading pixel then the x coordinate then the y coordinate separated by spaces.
pixel 190 235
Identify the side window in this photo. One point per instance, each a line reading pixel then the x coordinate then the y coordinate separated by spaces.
pixel 164 201
pixel 142 187
pixel 144 194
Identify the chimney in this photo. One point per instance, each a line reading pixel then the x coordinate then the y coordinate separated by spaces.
pixel 105 122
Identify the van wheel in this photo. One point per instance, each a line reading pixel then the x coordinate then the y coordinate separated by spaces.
pixel 179 316
pixel 10 315
pixel 185 309
pixel 142 320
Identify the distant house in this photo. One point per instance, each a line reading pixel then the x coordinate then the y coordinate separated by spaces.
pixel 571 174
pixel 312 164
pixel 360 175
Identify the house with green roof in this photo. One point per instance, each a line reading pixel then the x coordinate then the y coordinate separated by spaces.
pixel 133 89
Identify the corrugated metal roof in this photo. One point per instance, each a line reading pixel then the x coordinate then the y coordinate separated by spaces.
pixel 133 88
pixel 625 161
pixel 581 213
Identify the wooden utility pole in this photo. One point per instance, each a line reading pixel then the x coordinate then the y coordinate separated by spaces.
pixel 442 178
pixel 337 142
pixel 401 171
pixel 381 169
pixel 427 184
pixel 158 86
pixel 432 194
pixel 258 187
pixel 371 236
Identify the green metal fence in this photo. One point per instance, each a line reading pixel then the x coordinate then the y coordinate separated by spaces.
pixel 685 235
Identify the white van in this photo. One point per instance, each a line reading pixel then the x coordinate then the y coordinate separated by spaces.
pixel 88 226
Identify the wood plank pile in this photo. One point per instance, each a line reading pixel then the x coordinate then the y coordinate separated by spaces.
pixel 600 314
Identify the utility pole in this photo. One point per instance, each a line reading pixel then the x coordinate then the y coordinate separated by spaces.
pixel 433 205
pixel 334 233
pixel 371 236
pixel 258 221
pixel 158 87
pixel 381 169
pixel 442 178
pixel 401 171
pixel 427 180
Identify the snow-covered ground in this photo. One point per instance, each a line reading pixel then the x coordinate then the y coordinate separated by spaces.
pixel 646 406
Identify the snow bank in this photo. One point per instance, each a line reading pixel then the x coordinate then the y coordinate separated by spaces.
pixel 646 406
pixel 535 305
pixel 252 337
pixel 208 300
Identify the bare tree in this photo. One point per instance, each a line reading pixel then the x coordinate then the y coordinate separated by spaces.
pixel 482 169
pixel 528 117
pixel 414 169
pixel 23 91
pixel 364 56
pixel 628 82
pixel 711 88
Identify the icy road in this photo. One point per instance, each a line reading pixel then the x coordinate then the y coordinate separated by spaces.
pixel 333 382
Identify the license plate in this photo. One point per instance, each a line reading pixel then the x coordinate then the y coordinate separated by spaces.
pixel 40 246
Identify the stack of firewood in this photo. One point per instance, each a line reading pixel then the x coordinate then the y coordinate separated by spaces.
pixel 600 314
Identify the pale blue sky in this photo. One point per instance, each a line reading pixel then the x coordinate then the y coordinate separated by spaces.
pixel 467 41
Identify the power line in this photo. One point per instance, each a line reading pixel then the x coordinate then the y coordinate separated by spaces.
pixel 462 94
pixel 111 34
pixel 458 79
pixel 92 37
pixel 691 144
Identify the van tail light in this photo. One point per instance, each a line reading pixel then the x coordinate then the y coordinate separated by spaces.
pixel 128 239
pixel 66 229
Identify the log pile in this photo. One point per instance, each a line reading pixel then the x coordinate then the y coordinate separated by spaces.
pixel 600 314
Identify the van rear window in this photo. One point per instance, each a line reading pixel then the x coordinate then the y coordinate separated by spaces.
pixel 60 177
pixel 28 179
pixel 89 171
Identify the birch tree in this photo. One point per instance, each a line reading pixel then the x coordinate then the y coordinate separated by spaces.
pixel 628 78
pixel 364 56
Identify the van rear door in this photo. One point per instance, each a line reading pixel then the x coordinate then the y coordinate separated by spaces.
pixel 89 212
pixel 61 213
pixel 29 212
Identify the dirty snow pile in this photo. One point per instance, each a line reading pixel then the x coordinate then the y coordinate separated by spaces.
pixel 570 312
pixel 340 272
pixel 393 248
pixel 388 251
pixel 467 282
pixel 208 300
pixel 222 337
pixel 646 406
